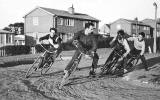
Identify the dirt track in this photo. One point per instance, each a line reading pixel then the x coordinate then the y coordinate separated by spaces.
pixel 13 85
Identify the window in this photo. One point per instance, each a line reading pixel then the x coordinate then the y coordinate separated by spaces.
pixel 8 38
pixel 69 22
pixel 95 24
pixel 145 28
pixel 35 21
pixel 134 26
pixel 84 22
pixel 60 21
pixel 1 38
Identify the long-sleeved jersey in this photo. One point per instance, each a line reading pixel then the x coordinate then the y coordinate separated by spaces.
pixel 89 42
pixel 139 45
pixel 54 41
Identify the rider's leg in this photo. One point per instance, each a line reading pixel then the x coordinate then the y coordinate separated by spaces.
pixel 43 60
pixel 124 62
pixel 69 66
pixel 94 64
pixel 144 62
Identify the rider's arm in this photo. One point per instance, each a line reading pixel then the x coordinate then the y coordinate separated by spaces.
pixel 143 48
pixel 44 37
pixel 126 46
pixel 131 39
pixel 59 40
pixel 113 41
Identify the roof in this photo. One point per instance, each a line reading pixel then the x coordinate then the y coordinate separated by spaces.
pixel 132 21
pixel 63 13
pixel 4 31
pixel 151 20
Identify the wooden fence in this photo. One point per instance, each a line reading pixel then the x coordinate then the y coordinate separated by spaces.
pixel 2 52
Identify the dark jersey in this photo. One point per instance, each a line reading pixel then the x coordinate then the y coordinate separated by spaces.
pixel 89 42
pixel 52 40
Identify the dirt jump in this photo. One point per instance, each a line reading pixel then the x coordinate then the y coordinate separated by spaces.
pixel 136 85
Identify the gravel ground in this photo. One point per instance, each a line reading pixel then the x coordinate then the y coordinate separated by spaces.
pixel 137 85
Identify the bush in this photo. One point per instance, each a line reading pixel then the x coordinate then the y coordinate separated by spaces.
pixel 16 49
pixel 104 42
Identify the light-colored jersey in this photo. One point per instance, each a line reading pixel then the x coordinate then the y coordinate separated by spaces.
pixel 124 43
pixel 126 46
pixel 52 43
pixel 139 45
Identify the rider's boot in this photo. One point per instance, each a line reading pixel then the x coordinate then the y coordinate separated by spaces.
pixel 92 72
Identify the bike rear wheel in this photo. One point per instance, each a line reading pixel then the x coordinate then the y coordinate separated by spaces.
pixel 47 65
pixel 34 66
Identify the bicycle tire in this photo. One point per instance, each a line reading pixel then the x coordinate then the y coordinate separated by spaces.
pixel 34 67
pixel 47 66
pixel 112 65
pixel 73 69
pixel 131 64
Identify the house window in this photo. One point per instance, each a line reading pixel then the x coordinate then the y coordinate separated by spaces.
pixel 95 24
pixel 69 22
pixel 84 22
pixel 60 21
pixel 134 26
pixel 35 21
pixel 1 39
pixel 8 38
pixel 145 28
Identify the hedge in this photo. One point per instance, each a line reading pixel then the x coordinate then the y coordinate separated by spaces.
pixel 102 43
pixel 11 50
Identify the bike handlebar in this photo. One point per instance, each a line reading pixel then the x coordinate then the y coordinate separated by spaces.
pixel 46 49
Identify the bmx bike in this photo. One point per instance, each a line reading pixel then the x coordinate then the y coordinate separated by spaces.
pixel 46 63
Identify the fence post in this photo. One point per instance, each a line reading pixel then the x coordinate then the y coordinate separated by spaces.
pixel 0 52
pixel 33 50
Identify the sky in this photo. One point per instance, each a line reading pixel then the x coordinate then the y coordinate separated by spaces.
pixel 106 11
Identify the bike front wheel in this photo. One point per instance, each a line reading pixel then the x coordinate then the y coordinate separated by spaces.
pixel 130 66
pixel 34 67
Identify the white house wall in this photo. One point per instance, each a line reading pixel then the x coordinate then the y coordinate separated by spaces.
pixel 45 21
pixel 120 24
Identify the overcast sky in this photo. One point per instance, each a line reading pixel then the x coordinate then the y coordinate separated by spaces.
pixel 107 11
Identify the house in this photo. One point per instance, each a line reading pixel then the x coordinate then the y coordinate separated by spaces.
pixel 6 38
pixel 152 22
pixel 130 27
pixel 19 39
pixel 105 29
pixel 39 20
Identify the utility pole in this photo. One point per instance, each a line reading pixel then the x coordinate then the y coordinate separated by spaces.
pixel 136 19
pixel 155 32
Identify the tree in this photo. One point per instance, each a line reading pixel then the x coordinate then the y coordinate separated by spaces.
pixel 17 28
pixel 7 29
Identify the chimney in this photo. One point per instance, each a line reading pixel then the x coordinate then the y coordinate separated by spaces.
pixel 71 10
